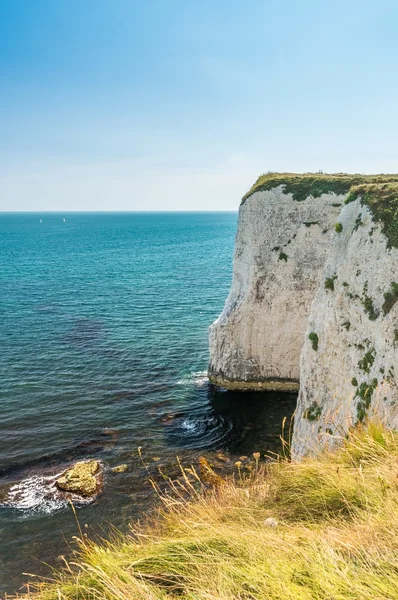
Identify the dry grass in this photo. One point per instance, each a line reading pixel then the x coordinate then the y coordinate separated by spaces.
pixel 302 185
pixel 336 536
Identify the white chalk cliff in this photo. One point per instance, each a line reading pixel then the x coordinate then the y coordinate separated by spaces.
pixel 303 286
pixel 349 361
pixel 280 250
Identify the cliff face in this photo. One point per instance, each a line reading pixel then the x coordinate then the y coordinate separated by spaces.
pixel 281 247
pixel 294 249
pixel 349 362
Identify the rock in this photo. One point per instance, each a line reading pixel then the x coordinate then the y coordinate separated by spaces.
pixel 120 468
pixel 208 475
pixel 255 343
pixel 171 417
pixel 4 489
pixel 112 432
pixel 350 373
pixel 282 244
pixel 221 456
pixel 80 479
pixel 270 522
pixel 310 269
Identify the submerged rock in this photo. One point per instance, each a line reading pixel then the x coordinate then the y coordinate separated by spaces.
pixel 80 479
pixel 171 417
pixel 120 468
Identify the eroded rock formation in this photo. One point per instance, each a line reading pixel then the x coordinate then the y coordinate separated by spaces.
pixel 349 362
pixel 292 246
pixel 281 247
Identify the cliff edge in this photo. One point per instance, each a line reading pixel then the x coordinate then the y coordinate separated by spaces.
pixel 316 263
pixel 282 242
pixel 349 361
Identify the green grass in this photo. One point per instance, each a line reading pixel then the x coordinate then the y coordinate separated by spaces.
pixel 314 184
pixel 366 362
pixel 382 201
pixel 322 529
pixel 329 283
pixel 365 393
pixel 370 310
pixel 314 339
pixel 390 298
pixel 313 412
pixel 378 192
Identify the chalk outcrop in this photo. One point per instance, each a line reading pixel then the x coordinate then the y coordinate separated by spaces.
pixel 303 272
pixel 282 242
pixel 281 248
pixel 349 362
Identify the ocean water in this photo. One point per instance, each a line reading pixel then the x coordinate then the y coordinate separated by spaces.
pixel 103 335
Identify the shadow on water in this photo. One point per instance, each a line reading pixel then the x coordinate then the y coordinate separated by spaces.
pixel 238 422
pixel 256 418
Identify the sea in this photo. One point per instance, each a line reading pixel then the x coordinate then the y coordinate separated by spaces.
pixel 103 351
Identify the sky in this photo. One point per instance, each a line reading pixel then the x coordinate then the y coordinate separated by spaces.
pixel 182 104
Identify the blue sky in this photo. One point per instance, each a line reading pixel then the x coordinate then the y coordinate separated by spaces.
pixel 180 104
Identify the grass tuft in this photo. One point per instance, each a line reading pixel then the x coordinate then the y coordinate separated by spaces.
pixel 314 339
pixel 283 256
pixel 390 298
pixel 329 283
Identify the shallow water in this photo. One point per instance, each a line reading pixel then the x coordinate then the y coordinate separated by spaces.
pixel 103 337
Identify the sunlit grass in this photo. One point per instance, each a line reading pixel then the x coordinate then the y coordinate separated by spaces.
pixel 331 533
pixel 302 185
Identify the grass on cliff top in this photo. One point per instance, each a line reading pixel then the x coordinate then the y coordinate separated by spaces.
pixel 382 199
pixel 302 185
pixel 324 529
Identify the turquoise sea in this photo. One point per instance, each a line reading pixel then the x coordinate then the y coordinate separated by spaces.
pixel 103 337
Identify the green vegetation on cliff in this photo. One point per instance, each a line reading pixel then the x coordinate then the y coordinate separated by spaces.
pixel 315 184
pixel 325 528
pixel 382 200
pixel 338 228
pixel 390 298
pixel 378 192
pixel 314 339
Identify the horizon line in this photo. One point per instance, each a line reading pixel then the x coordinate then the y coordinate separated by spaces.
pixel 126 212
